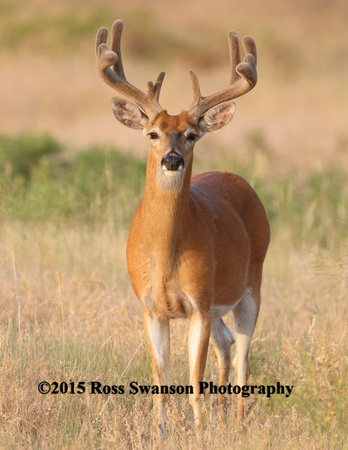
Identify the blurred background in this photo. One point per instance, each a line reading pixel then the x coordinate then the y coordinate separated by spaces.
pixel 48 80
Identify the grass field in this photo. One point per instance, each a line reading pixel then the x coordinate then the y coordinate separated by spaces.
pixel 68 312
pixel 67 196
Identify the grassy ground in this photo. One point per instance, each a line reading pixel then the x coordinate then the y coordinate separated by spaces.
pixel 67 311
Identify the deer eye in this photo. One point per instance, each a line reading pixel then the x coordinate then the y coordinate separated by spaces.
pixel 153 135
pixel 191 137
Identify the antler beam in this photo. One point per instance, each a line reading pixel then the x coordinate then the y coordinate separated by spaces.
pixel 110 68
pixel 243 77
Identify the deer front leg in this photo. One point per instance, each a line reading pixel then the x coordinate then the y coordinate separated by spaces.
pixel 200 326
pixel 158 337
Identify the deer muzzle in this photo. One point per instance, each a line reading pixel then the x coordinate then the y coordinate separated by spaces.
pixel 173 162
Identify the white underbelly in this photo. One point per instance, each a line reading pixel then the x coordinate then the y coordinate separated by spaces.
pixel 217 311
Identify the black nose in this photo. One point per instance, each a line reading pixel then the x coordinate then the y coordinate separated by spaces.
pixel 172 161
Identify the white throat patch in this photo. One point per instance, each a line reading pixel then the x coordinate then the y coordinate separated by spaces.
pixel 170 180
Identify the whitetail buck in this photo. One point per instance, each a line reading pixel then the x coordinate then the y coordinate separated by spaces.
pixel 196 247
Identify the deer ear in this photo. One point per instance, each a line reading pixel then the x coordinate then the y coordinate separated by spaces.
pixel 128 113
pixel 217 117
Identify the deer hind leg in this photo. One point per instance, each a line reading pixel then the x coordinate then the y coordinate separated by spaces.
pixel 158 337
pixel 222 339
pixel 245 316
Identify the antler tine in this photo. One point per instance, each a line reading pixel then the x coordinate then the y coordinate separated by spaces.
pixel 250 47
pixel 115 76
pixel 233 44
pixel 243 77
pixel 101 38
pixel 158 85
pixel 116 34
pixel 197 96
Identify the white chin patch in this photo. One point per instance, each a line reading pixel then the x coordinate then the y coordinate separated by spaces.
pixel 172 173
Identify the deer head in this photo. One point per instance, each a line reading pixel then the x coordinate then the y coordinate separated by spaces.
pixel 172 138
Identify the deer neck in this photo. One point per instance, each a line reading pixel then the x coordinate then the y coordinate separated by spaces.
pixel 165 212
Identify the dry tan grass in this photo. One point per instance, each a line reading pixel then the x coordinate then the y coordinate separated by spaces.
pixel 79 321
